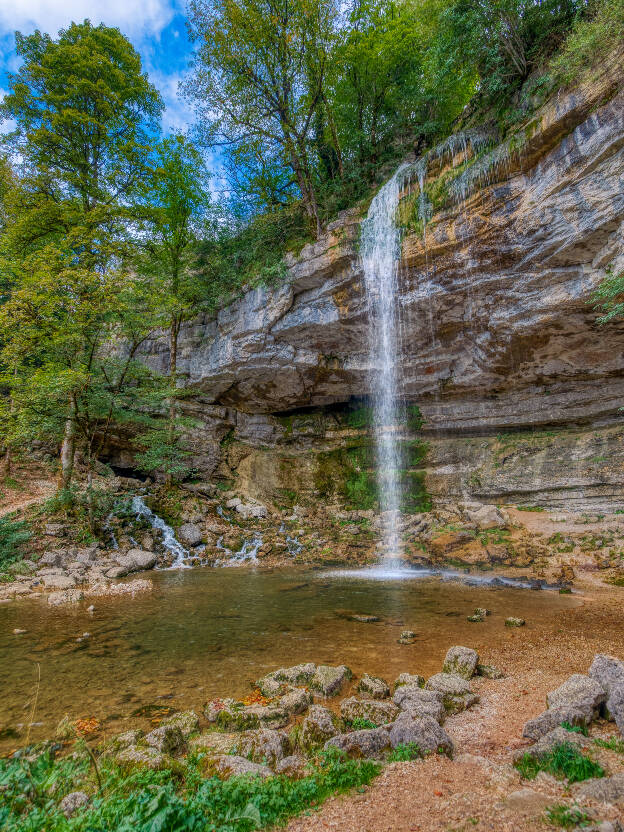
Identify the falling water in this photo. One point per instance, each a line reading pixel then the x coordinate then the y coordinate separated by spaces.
pixel 169 540
pixel 380 254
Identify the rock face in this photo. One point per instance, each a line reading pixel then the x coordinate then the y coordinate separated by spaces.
pixel 500 333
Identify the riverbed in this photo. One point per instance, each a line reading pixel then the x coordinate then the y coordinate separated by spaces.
pixel 203 633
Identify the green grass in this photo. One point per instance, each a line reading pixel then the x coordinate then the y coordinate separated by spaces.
pixel 530 508
pixel 566 817
pixel 402 753
pixel 564 761
pixel 612 744
pixel 179 799
pixel 575 729
pixel 360 723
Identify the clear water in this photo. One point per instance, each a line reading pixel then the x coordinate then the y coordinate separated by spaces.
pixel 380 252
pixel 202 633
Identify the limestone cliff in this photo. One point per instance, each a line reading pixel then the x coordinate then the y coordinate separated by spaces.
pixel 519 388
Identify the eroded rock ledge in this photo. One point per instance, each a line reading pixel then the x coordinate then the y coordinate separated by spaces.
pixel 500 334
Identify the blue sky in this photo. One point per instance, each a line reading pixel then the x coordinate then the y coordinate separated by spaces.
pixel 157 28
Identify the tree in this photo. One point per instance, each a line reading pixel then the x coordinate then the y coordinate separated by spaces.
pixel 504 40
pixel 84 114
pixel 175 204
pixel 259 76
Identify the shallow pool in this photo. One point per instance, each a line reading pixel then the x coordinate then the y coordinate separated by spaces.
pixel 207 632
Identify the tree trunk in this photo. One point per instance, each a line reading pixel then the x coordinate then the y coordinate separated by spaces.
pixel 68 449
pixel 334 135
pixel 173 369
pixel 7 462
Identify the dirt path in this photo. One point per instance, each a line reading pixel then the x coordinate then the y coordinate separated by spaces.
pixel 37 492
pixel 480 790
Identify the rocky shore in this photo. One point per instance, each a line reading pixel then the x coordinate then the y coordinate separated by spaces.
pixel 541 549
pixel 569 762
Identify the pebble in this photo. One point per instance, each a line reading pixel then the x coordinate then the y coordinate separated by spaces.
pixel 18 632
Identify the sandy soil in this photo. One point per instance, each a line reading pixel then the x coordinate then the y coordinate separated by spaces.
pixel 480 790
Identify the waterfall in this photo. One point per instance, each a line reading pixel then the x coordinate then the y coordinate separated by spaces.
pixel 380 255
pixel 169 540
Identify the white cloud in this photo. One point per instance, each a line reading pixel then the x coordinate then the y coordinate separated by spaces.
pixel 51 15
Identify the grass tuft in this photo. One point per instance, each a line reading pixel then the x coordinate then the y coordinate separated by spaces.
pixel 566 817
pixel 564 761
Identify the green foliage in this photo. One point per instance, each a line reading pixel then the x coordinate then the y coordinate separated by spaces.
pixel 504 41
pixel 14 534
pixel 360 723
pixel 567 817
pixel 575 729
pixel 531 508
pixel 414 417
pixel 590 40
pixel 179 799
pixel 359 417
pixel 612 744
pixel 404 752
pixel 564 761
pixel 609 297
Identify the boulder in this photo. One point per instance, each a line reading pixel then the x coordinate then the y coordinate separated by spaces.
pixel 299 674
pixel 233 716
pixel 462 661
pixel 59 581
pixel 514 622
pixel 455 690
pixel 543 724
pixel 484 516
pixel 166 738
pixel 378 712
pixel 51 558
pixel 214 742
pixel 329 680
pixel 247 510
pixel 607 671
pixel 603 789
pixel 143 757
pixel 263 745
pixel 319 725
pixel 558 736
pixel 615 706
pixel 73 801
pixel 370 742
pixel 578 690
pixel 186 721
pixel 231 765
pixel 67 596
pixel 126 739
pixel 424 731
pixel 189 534
pixel 489 671
pixel 409 679
pixel 135 560
pixel 419 703
pixel 374 686
pixel 296 700
pixel 294 766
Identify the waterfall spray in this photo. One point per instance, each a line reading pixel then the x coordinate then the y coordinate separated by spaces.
pixel 380 255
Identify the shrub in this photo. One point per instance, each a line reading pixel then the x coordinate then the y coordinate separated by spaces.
pixel 13 535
